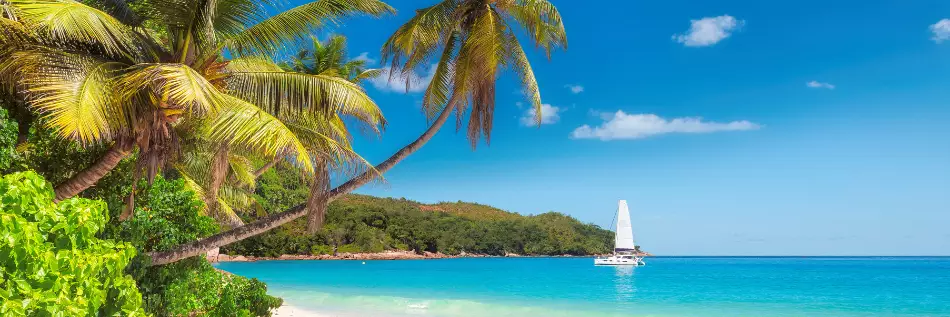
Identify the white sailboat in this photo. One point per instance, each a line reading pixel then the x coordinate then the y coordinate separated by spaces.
pixel 625 252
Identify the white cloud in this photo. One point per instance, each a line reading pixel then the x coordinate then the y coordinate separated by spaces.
pixel 817 84
pixel 708 31
pixel 549 115
pixel 941 30
pixel 364 56
pixel 623 126
pixel 417 82
pixel 576 89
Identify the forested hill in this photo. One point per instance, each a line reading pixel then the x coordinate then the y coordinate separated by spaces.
pixel 361 223
pixel 464 209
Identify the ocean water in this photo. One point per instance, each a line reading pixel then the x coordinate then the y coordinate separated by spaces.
pixel 688 286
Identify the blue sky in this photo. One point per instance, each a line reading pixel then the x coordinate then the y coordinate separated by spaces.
pixel 823 126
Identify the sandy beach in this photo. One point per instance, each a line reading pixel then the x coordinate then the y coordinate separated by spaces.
pixel 291 311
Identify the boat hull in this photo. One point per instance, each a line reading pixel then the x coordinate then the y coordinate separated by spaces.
pixel 634 261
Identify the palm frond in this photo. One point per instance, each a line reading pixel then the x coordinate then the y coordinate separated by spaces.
pixel 540 19
pixel 176 86
pixel 437 94
pixel 69 20
pixel 278 92
pixel 74 93
pixel 272 34
pixel 367 74
pixel 253 64
pixel 518 61
pixel 483 53
pixel 120 10
pixel 415 40
pixel 242 169
pixel 242 124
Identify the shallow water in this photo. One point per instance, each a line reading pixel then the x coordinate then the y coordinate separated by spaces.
pixel 687 286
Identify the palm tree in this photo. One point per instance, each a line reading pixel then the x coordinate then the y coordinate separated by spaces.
pixel 130 76
pixel 330 59
pixel 224 167
pixel 474 41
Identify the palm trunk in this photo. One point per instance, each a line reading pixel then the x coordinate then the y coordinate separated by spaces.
pixel 273 221
pixel 316 203
pixel 92 174
pixel 260 171
pixel 219 170
pixel 266 167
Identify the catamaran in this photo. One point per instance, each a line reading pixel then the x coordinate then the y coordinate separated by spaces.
pixel 625 252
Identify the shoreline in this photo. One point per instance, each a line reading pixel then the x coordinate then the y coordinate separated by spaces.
pixel 385 255
pixel 293 311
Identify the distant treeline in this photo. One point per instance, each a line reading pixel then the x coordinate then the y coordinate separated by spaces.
pixel 359 223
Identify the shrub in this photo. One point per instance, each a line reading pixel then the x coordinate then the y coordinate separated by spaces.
pixel 8 139
pixel 167 215
pixel 53 265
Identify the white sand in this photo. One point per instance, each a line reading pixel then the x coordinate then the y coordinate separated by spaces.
pixel 291 311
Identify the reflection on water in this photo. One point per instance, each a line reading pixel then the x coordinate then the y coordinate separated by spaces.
pixel 624 282
pixel 623 271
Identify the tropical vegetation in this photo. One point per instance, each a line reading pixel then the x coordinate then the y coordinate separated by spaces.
pixel 53 263
pixel 359 223
pixel 176 116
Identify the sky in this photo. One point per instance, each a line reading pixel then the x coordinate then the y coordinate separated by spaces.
pixel 733 127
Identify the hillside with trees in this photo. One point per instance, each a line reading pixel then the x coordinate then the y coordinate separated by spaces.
pixel 360 223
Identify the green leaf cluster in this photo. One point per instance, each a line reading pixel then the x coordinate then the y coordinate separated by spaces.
pixel 53 263
pixel 168 214
pixel 8 137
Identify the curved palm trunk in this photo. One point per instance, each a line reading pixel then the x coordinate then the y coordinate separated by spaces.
pixel 233 221
pixel 89 176
pixel 266 167
pixel 260 171
pixel 273 221
pixel 317 202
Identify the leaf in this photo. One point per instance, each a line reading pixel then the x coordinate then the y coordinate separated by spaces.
pixel 68 20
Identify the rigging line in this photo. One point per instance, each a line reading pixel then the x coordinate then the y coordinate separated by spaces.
pixel 612 222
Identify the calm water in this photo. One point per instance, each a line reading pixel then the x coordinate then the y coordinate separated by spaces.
pixel 498 287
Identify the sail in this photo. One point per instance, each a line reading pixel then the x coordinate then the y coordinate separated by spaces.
pixel 624 238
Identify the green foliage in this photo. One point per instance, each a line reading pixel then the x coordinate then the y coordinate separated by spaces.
pixel 53 264
pixel 193 287
pixel 57 159
pixel 359 223
pixel 167 215
pixel 8 138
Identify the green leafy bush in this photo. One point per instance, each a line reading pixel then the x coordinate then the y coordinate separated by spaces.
pixel 167 215
pixel 8 138
pixel 53 264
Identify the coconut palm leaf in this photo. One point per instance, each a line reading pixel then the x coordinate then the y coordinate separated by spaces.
pixel 177 86
pixel 120 10
pixel 272 34
pixel 416 40
pixel 288 91
pixel 518 61
pixel 69 20
pixel 540 19
pixel 242 124
pixel 74 93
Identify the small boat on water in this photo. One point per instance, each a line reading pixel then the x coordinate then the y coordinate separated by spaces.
pixel 625 251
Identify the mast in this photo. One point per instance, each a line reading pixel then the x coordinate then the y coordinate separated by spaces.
pixel 623 241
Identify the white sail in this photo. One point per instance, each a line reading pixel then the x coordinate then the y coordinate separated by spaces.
pixel 624 238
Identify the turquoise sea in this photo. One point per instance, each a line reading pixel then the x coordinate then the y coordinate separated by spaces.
pixel 673 286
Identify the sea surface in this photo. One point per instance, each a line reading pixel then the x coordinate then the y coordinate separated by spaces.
pixel 672 286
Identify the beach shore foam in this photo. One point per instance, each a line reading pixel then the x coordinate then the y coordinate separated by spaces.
pixel 291 311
